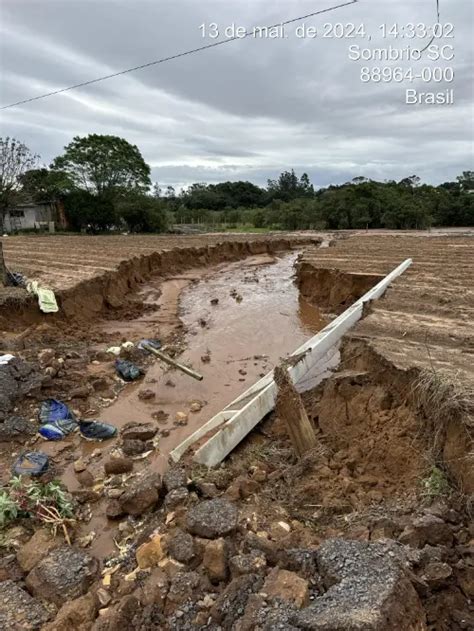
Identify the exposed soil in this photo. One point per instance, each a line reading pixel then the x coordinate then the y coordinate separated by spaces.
pixel 263 555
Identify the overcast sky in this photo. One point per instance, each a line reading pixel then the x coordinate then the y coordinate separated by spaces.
pixel 246 110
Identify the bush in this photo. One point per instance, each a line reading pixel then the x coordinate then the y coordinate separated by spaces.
pixel 143 214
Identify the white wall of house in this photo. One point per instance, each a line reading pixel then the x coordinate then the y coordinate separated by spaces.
pixel 27 217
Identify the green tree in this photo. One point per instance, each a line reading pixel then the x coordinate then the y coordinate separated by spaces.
pixel 104 165
pixel 93 213
pixel 466 180
pixel 43 185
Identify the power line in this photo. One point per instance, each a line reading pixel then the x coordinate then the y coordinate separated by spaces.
pixel 177 56
pixel 437 22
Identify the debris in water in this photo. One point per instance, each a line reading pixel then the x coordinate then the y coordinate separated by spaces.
pixel 127 370
pixel 96 430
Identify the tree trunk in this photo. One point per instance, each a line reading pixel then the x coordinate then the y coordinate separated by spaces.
pixel 290 409
pixel 3 269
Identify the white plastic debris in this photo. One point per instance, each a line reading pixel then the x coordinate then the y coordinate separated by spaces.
pixel 5 359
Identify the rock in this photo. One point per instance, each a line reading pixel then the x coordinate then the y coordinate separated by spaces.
pixel 146 395
pixel 214 301
pixel 82 392
pixel 301 561
pixel 18 610
pixel 181 546
pixel 149 554
pixel 196 406
pixel 104 597
pixel 117 465
pixel 119 617
pixel 114 509
pixel 231 604
pixel 258 474
pixel 212 518
pixel 65 574
pixel 77 615
pixel 85 478
pixel 183 587
pixel 364 583
pixel 138 431
pixel 46 357
pixel 135 447
pixel 34 550
pixel 207 489
pixel 252 563
pixel 287 586
pixel 465 577
pixel 83 496
pixel 114 493
pixel 279 530
pixel 270 548
pixel 154 589
pixel 427 529
pixel 215 560
pixel 80 465
pixel 435 574
pixel 174 478
pixel 242 487
pixel 176 497
pixel 181 418
pixel 160 416
pixel 16 428
pixel 141 495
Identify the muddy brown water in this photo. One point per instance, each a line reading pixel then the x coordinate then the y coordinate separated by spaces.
pixel 259 319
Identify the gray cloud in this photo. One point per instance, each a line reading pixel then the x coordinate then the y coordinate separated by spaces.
pixel 244 110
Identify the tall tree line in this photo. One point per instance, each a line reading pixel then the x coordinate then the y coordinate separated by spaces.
pixel 104 184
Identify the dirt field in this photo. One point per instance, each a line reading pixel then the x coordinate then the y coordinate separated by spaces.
pixel 426 317
pixel 259 542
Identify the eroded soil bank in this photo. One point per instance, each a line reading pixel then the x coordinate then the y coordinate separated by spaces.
pixel 368 527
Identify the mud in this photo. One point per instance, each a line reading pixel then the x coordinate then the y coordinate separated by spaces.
pixel 113 270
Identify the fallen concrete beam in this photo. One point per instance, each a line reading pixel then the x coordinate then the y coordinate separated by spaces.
pixel 315 358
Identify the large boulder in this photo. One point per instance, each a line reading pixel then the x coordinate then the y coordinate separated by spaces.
pixel 367 590
pixel 19 610
pixel 66 573
pixel 212 518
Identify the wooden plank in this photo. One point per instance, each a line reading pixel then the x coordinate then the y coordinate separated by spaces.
pixel 290 409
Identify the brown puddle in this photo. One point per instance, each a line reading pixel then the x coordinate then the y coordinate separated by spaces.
pixel 259 319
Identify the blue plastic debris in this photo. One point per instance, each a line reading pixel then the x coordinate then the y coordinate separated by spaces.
pixel 127 370
pixel 33 463
pixel 53 410
pixel 96 430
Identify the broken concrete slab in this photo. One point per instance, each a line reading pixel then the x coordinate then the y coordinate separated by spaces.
pixel 212 518
pixel 367 590
pixel 19 610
